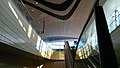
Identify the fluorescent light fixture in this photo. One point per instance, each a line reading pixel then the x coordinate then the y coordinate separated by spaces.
pixel 41 66
pixel 21 24
pixel 29 31
pixel 44 46
pixel 15 14
pixel 24 29
pixel 11 7
pixel 38 43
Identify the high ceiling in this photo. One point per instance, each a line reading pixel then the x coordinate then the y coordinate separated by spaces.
pixel 59 19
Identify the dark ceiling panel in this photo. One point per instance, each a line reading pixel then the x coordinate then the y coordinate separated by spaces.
pixel 59 7
pixel 62 17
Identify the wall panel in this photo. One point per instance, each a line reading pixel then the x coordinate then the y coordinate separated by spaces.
pixel 14 31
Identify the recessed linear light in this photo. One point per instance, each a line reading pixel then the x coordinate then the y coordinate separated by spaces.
pixel 36 2
pixel 32 10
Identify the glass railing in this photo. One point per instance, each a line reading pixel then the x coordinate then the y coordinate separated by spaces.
pixel 88 50
pixel 114 20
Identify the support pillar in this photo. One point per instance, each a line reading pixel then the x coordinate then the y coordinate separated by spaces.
pixel 107 54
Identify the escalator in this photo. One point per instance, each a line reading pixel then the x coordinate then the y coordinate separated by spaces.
pixel 79 64
pixel 90 62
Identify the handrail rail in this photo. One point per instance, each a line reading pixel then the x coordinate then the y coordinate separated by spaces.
pixel 92 63
pixel 84 64
pixel 95 58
